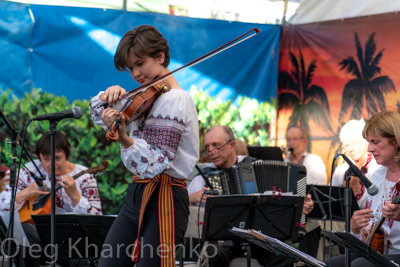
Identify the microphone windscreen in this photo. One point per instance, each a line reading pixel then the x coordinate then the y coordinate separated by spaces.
pixel 78 112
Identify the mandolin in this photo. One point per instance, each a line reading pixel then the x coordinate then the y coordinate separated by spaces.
pixel 43 205
pixel 376 238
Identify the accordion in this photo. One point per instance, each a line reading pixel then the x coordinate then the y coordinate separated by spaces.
pixel 260 176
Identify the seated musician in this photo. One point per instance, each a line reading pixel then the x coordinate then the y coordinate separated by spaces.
pixel 382 134
pixel 296 138
pixel 219 142
pixel 355 147
pixel 78 196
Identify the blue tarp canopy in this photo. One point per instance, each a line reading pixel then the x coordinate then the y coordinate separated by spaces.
pixel 69 51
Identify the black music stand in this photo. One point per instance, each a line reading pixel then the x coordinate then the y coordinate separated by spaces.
pixel 321 207
pixel 357 246
pixel 277 247
pixel 266 153
pixel 321 202
pixel 277 218
pixel 86 233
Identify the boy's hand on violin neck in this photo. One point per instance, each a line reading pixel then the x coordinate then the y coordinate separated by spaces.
pixel 108 115
pixel 112 95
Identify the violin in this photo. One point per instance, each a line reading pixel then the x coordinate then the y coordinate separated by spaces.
pixel 141 99
pixel 137 107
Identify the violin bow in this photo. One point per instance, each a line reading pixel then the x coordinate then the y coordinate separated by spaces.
pixel 210 54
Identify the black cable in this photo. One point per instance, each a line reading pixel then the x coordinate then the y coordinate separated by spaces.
pixel 1 154
pixel 330 207
pixel 2 145
pixel 12 205
pixel 198 223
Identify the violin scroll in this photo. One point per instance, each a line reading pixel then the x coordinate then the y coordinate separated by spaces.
pixel 113 135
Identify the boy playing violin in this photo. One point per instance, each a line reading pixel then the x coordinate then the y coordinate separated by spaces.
pixel 160 150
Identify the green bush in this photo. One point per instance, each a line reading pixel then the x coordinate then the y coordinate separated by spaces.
pixel 250 120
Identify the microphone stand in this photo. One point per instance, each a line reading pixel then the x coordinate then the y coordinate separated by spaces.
pixel 53 124
pixel 13 168
pixel 347 205
pixel 208 184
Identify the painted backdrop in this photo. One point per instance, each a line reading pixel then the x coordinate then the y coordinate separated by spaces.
pixel 334 71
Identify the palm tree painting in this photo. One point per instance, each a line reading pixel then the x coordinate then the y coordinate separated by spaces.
pixel 297 92
pixel 367 88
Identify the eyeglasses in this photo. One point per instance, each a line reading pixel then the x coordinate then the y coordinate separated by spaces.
pixel 206 152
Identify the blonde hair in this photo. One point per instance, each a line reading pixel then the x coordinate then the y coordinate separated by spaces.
pixel 385 124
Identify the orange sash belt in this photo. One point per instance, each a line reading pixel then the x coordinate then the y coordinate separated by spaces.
pixel 166 217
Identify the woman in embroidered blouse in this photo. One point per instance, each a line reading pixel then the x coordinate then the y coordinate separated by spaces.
pixel 382 131
pixel 78 196
pixel 162 146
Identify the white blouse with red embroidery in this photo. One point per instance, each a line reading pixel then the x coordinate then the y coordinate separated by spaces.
pixel 89 202
pixel 167 140
pixel 375 203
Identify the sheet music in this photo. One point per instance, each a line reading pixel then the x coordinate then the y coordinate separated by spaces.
pixel 19 233
pixel 282 246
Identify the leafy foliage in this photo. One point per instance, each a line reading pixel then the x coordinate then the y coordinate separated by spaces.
pixel 250 120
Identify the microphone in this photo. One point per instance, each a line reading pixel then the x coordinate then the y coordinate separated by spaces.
pixel 41 186
pixel 75 112
pixel 371 188
pixel 215 192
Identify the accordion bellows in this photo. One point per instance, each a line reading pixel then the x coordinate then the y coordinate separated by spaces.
pixel 260 176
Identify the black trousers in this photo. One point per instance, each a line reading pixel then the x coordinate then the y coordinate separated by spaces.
pixel 357 261
pixel 118 245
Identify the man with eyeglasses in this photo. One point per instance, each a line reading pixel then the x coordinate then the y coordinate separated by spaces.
pixel 219 143
pixel 355 147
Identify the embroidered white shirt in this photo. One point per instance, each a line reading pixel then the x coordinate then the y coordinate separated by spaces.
pixel 166 140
